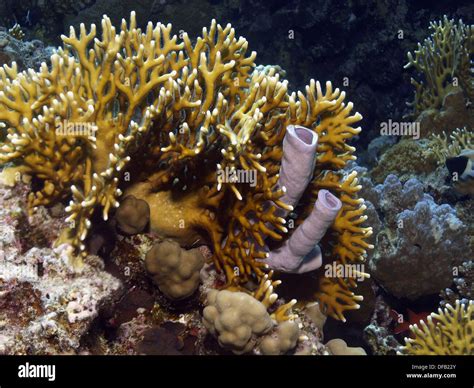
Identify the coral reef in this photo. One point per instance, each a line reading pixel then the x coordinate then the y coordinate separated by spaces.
pixel 393 196
pixel 444 59
pixel 162 113
pixel 381 340
pixel 174 270
pixel 449 332
pixel 376 148
pixel 443 101
pixel 310 31
pixel 238 319
pixel 378 334
pixel 205 181
pixel 16 32
pixel 415 231
pixel 455 112
pixel 406 159
pixel 465 209
pixel 455 151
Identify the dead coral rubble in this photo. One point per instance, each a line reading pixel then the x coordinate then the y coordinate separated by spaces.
pixel 46 306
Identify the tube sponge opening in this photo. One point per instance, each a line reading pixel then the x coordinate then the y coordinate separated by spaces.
pixel 328 205
pixel 304 134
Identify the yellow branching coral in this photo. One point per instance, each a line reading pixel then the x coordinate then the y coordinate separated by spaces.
pixel 151 115
pixel 265 294
pixel 444 59
pixel 450 332
pixel 444 146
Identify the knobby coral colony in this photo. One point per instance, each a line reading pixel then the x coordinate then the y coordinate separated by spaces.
pixel 169 111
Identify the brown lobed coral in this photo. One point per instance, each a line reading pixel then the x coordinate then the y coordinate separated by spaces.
pixel 151 114
pixel 174 270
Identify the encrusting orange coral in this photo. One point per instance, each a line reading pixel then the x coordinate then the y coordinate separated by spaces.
pixel 144 113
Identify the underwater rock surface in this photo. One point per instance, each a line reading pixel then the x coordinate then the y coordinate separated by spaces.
pixel 181 248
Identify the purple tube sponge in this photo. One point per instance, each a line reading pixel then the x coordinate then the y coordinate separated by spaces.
pixel 300 253
pixel 297 165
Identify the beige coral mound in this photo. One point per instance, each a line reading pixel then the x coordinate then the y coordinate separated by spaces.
pixel 235 319
pixel 338 347
pixel 282 340
pixel 174 270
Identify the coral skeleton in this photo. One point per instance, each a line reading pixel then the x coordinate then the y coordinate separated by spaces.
pixel 155 116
